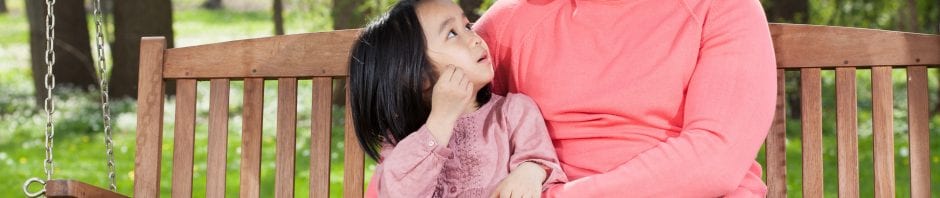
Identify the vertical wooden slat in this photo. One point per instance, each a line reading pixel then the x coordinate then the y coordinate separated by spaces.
pixel 775 148
pixel 847 132
pixel 183 138
pixel 883 126
pixel 149 118
pixel 218 137
pixel 811 91
pixel 250 178
pixel 286 136
pixel 320 138
pixel 919 131
pixel 353 163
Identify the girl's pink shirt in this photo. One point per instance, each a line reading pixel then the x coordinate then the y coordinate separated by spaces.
pixel 642 98
pixel 486 145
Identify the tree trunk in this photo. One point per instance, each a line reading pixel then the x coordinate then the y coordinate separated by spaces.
pixel 133 20
pixel 278 18
pixel 212 4
pixel 791 11
pixel 3 6
pixel 470 8
pixel 908 17
pixel 345 16
pixel 73 65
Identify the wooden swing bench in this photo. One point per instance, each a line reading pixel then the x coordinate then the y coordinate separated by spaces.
pixel 321 57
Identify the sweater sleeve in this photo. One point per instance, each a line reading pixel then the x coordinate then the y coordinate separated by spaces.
pixel 410 168
pixel 529 140
pixel 728 108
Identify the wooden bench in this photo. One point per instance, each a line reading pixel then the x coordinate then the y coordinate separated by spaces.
pixel 321 57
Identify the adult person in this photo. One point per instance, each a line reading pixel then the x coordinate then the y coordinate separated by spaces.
pixel 642 98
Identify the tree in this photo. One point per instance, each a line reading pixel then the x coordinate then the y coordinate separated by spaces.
pixel 133 20
pixel 789 11
pixel 792 11
pixel 908 17
pixel 346 15
pixel 73 65
pixel 212 4
pixel 278 18
pixel 3 6
pixel 470 8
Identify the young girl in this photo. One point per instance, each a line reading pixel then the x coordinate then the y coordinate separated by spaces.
pixel 420 99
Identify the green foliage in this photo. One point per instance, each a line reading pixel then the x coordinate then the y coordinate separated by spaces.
pixel 878 14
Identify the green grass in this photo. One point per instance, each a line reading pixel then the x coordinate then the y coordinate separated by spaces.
pixel 14 36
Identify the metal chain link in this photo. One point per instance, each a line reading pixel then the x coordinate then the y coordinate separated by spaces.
pixel 103 86
pixel 49 104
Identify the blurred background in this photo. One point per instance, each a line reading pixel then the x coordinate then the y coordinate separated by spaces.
pixel 79 141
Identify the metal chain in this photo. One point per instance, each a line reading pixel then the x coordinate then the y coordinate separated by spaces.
pixel 103 86
pixel 49 104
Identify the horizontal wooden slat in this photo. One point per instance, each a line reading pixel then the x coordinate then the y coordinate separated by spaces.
pixel 847 132
pixel 883 126
pixel 76 189
pixel 919 132
pixel 811 93
pixel 183 138
pixel 798 45
pixel 320 138
pixel 299 55
pixel 776 148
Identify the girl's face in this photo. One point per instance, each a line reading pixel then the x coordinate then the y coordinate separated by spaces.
pixel 450 41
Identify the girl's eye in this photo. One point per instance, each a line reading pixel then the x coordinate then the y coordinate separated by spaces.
pixel 451 34
pixel 469 26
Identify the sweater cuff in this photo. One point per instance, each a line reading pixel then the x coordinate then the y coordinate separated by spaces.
pixel 430 145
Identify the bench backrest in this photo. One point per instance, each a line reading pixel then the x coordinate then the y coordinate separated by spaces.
pixel 323 56
pixel 319 57
pixel 809 49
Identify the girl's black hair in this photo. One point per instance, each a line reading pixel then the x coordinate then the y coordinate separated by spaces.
pixel 390 79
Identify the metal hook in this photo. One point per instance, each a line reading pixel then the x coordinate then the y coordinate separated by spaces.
pixel 34 180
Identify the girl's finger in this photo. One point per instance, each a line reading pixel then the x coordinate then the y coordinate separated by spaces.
pixel 460 75
pixel 452 70
pixel 467 85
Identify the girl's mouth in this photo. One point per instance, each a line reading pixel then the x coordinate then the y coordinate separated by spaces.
pixel 483 58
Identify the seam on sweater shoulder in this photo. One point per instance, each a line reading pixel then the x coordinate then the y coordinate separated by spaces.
pixel 699 20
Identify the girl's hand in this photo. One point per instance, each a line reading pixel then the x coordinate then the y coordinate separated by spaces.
pixel 523 182
pixel 452 95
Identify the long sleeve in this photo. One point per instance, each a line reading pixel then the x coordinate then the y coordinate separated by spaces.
pixel 728 108
pixel 529 140
pixel 411 168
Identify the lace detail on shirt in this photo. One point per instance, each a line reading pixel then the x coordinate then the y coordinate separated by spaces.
pixel 462 169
